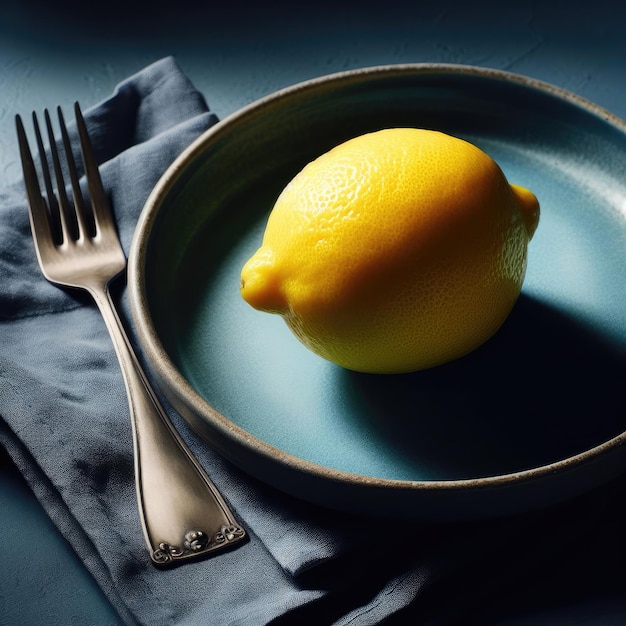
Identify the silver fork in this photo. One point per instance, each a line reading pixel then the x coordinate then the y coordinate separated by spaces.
pixel 182 513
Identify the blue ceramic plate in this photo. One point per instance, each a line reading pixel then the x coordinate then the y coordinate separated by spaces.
pixel 532 417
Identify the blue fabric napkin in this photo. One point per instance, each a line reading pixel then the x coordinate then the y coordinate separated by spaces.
pixel 64 421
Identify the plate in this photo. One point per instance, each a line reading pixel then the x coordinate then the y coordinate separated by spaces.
pixel 534 416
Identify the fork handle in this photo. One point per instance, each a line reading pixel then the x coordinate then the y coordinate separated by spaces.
pixel 182 513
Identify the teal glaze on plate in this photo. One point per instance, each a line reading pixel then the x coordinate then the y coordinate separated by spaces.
pixel 534 415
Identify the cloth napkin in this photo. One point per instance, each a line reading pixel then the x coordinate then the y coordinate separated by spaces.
pixel 64 422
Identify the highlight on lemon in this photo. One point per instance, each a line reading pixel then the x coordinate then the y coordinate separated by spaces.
pixel 395 251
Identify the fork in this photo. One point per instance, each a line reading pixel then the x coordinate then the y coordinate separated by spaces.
pixel 182 513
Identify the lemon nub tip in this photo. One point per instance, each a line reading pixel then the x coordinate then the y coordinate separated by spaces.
pixel 259 287
pixel 529 206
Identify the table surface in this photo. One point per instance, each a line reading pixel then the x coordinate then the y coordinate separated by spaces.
pixel 234 56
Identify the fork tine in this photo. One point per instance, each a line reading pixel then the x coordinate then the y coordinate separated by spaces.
pixel 102 214
pixel 84 222
pixel 69 226
pixel 53 205
pixel 37 210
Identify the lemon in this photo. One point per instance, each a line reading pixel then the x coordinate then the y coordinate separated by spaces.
pixel 395 251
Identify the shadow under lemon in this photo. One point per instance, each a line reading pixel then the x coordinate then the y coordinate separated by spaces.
pixel 543 388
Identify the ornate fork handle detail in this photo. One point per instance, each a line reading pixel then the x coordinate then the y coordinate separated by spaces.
pixel 196 541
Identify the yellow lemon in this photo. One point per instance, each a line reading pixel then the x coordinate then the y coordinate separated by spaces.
pixel 396 251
